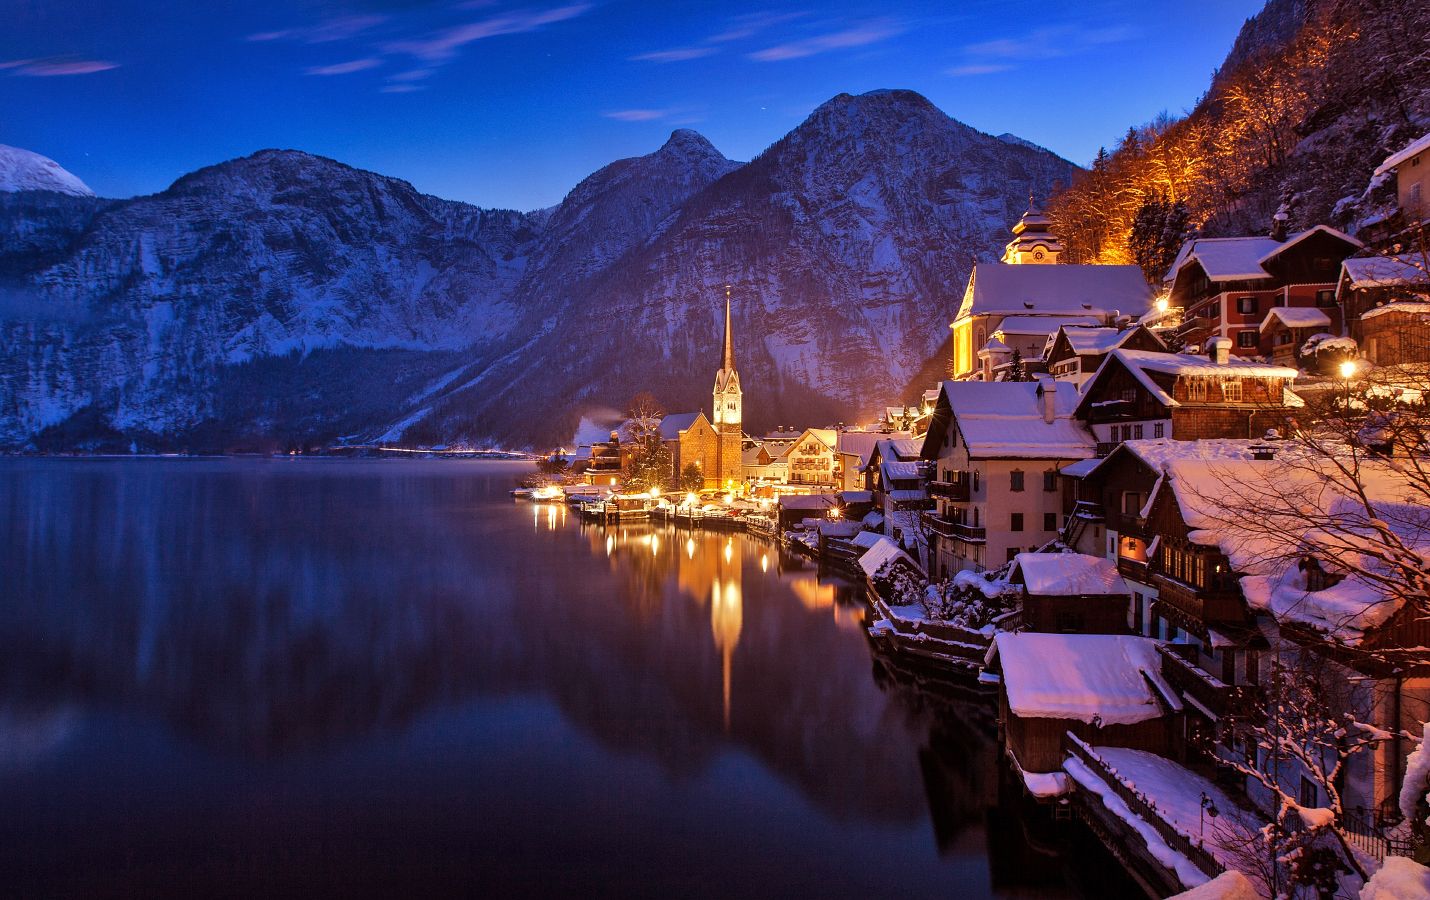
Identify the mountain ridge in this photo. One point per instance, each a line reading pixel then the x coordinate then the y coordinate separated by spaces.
pixel 285 299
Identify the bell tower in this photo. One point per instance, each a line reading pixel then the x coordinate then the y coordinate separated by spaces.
pixel 1033 240
pixel 727 412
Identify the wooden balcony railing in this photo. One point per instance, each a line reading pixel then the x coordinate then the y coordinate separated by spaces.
pixel 957 530
pixel 957 491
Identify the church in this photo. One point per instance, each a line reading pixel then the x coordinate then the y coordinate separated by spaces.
pixel 713 443
pixel 1018 302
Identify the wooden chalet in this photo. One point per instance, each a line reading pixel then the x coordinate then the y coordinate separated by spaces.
pixel 1226 286
pixel 1070 593
pixel 1075 353
pixel 1137 395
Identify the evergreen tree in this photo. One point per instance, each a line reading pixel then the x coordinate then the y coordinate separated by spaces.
pixel 1016 370
pixel 1158 231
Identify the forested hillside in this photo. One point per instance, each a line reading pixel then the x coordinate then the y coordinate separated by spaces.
pixel 1313 95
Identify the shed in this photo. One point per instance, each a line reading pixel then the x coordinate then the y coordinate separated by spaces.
pixel 1071 593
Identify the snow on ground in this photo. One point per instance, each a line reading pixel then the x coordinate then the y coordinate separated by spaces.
pixel 1398 879
pixel 1187 872
pixel 1229 885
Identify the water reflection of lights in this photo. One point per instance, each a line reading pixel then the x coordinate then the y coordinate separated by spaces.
pixel 729 549
pixel 726 619
pixel 764 562
pixel 610 543
pixel 690 548
pixel 654 544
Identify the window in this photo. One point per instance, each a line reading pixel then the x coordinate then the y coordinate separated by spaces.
pixel 1231 390
pixel 1017 522
pixel 1307 793
pixel 1158 430
pixel 1128 395
pixel 1283 338
pixel 1015 480
pixel 1325 298
pixel 1197 388
pixel 1137 432
pixel 1050 480
pixel 1132 502
pixel 1012 552
pixel 1246 305
pixel 1050 521
pixel 975 480
pixel 1246 338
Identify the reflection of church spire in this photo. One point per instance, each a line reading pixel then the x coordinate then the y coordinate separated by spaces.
pixel 726 619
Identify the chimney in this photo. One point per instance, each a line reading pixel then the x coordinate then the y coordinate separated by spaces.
pixel 1278 225
pixel 1219 350
pixel 1048 395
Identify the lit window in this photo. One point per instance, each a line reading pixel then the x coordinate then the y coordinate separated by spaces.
pixel 1231 390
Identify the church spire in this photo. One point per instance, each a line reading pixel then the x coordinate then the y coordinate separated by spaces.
pixel 728 361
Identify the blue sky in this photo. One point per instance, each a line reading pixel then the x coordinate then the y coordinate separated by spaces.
pixel 509 104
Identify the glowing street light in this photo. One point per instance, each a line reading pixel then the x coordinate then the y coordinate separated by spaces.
pixel 1348 369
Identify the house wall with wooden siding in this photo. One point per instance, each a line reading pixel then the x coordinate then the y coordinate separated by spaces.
pixel 1038 743
pixel 1076 614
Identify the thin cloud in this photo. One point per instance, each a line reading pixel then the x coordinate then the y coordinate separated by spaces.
pixel 979 69
pixel 401 88
pixel 346 68
pixel 54 66
pixel 639 115
pixel 678 54
pixel 413 75
pixel 443 46
pixel 327 31
pixel 858 36
pixel 1052 42
pixel 751 24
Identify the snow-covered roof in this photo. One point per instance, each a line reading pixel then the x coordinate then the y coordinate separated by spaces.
pixel 1241 258
pixel 1068 574
pixel 901 448
pixel 883 551
pixel 827 436
pixel 1114 677
pixel 1402 306
pixel 1383 271
pixel 1082 467
pixel 672 425
pixel 1056 290
pixel 902 496
pixel 856 496
pixel 867 539
pixel 861 443
pixel 1086 341
pixel 1026 325
pixel 807 501
pixel 1004 419
pixel 1298 317
pixel 892 469
pixel 1265 549
pixel 1419 145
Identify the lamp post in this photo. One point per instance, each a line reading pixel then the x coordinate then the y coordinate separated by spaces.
pixel 1208 809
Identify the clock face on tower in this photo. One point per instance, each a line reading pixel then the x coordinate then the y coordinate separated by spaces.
pixel 1037 254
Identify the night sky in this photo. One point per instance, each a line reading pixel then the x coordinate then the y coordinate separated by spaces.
pixel 510 104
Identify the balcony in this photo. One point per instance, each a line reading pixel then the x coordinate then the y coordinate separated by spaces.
pixel 1197 604
pixel 956 530
pixel 956 491
pixel 1203 688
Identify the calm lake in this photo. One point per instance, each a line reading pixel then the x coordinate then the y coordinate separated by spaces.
pixel 265 677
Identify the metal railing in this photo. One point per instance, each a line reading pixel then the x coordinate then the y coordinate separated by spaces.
pixel 1363 832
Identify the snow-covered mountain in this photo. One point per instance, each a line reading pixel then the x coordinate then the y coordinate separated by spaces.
pixel 22 170
pixel 284 298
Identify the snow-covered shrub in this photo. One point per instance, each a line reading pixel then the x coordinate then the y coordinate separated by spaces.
pixel 1322 353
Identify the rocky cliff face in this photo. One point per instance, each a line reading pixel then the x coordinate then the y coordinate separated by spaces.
pixel 287 298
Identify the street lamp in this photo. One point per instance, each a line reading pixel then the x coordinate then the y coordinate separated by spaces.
pixel 1348 369
pixel 1208 809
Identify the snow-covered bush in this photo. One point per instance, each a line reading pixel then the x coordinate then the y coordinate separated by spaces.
pixel 1322 353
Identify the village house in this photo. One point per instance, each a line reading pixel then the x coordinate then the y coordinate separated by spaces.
pixel 1386 300
pixel 852 451
pixel 1226 286
pixel 1106 689
pixel 1411 165
pixel 1029 295
pixel 812 457
pixel 996 450
pixel 1286 328
pixel 1137 394
pixel 897 479
pixel 1070 593
pixel 1074 353
pixel 763 467
pixel 604 463
pixel 1236 597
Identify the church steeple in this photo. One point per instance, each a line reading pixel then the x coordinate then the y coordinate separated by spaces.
pixel 728 400
pixel 729 360
pixel 1033 239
